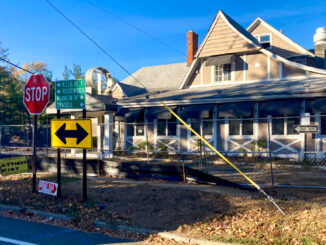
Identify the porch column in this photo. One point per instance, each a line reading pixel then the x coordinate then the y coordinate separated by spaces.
pixel 99 135
pixel 108 136
pixel 305 137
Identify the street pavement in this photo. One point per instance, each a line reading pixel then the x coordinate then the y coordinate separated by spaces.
pixel 21 232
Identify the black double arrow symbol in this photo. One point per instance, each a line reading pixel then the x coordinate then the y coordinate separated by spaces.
pixel 79 134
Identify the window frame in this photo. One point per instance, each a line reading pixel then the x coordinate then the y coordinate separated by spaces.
pixel 285 124
pixel 166 129
pixel 258 37
pixel 201 127
pixel 229 75
pixel 135 125
pixel 241 119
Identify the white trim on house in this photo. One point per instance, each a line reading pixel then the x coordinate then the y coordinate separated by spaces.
pixel 201 72
pixel 241 82
pixel 118 85
pixel 264 51
pixel 212 76
pixel 244 67
pixel 291 63
pixel 268 67
pixel 257 21
pixel 225 100
pixel 220 13
pixel 265 34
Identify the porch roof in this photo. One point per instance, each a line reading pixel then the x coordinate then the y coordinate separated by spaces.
pixel 239 92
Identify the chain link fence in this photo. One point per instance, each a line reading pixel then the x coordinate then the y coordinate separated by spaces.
pixel 270 150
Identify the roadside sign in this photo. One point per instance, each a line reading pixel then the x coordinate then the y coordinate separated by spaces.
pixel 36 94
pixel 69 133
pixel 48 187
pixel 70 94
pixel 306 128
pixel 13 165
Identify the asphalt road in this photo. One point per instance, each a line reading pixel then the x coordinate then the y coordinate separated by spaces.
pixel 21 232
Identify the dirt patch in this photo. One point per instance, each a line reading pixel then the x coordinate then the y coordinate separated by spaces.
pixel 213 213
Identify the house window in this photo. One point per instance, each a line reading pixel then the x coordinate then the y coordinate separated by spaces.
pixel 241 126
pixel 323 124
pixel 285 126
pixel 166 127
pixel 135 129
pixel 265 40
pixel 223 72
pixel 202 127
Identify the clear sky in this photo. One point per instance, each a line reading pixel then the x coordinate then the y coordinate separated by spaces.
pixel 33 31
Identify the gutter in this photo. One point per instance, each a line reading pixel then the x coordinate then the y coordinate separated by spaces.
pixel 221 100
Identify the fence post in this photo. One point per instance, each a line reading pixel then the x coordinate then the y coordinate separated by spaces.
pixel 0 140
pixel 269 148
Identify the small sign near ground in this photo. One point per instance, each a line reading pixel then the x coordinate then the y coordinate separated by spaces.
pixel 67 133
pixel 13 165
pixel 70 94
pixel 306 128
pixel 48 187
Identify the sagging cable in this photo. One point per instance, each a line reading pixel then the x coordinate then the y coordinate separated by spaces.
pixel 225 159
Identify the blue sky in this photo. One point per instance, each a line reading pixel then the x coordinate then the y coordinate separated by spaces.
pixel 33 31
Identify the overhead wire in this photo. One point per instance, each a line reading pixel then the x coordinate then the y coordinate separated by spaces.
pixel 94 42
pixel 17 66
pixel 12 64
pixel 135 27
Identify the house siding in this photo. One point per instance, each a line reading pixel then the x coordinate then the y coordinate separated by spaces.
pixel 239 62
pixel 257 67
pixel 279 45
pixel 274 69
pixel 223 40
pixel 117 93
pixel 290 71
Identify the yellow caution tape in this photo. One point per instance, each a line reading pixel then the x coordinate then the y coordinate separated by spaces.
pixel 213 148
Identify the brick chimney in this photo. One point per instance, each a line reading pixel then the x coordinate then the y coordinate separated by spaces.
pixel 192 46
pixel 320 47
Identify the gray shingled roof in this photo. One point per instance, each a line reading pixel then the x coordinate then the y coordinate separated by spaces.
pixel 235 92
pixel 154 78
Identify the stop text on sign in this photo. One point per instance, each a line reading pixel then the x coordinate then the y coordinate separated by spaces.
pixel 36 93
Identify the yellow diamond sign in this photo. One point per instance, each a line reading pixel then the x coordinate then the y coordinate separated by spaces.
pixel 72 133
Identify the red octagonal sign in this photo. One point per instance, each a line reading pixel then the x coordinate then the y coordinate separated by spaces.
pixel 36 94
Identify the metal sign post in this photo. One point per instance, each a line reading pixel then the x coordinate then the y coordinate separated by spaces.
pixel 70 94
pixel 84 168
pixel 36 98
pixel 59 164
pixel 34 153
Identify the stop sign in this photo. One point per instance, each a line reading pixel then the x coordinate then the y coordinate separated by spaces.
pixel 36 94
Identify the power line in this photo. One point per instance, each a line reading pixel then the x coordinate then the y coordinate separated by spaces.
pixel 16 66
pixel 93 41
pixel 136 28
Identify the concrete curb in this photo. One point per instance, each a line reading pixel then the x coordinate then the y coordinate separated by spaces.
pixel 17 209
pixel 188 240
pixel 116 227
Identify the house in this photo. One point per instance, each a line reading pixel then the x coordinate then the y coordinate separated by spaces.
pixel 238 87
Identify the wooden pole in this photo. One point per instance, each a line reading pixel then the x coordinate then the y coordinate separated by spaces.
pixel 84 168
pixel 59 164
pixel 34 153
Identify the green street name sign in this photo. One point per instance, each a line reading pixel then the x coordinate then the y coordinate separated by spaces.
pixel 70 94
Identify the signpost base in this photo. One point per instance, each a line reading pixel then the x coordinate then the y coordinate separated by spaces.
pixel 34 154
